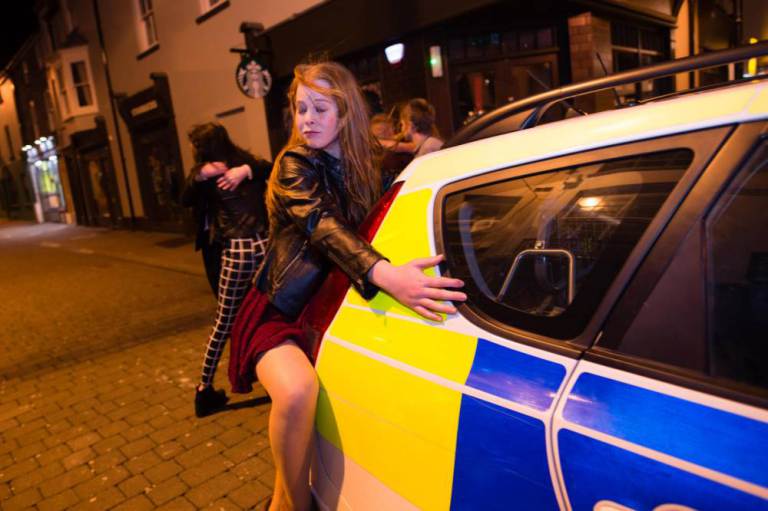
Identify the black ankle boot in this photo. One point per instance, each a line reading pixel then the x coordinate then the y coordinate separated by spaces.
pixel 208 401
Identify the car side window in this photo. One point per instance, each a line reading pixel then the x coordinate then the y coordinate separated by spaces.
pixel 538 252
pixel 708 312
pixel 737 277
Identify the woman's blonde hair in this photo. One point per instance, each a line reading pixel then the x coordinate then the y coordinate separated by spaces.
pixel 358 146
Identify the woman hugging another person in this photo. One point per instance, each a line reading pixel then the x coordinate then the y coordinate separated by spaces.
pixel 226 187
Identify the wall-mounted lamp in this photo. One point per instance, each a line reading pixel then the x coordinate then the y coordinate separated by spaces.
pixel 394 53
pixel 436 61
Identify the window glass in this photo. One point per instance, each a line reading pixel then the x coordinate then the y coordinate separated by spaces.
pixel 147 23
pixel 539 252
pixel 708 311
pixel 737 278
pixel 80 80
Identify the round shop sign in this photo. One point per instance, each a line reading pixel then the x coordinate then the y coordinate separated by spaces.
pixel 253 79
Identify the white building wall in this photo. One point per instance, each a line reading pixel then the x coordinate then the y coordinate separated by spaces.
pixel 9 118
pixel 198 63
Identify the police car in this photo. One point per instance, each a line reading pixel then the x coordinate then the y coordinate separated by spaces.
pixel 613 351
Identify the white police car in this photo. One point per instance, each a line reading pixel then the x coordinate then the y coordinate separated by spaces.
pixel 613 352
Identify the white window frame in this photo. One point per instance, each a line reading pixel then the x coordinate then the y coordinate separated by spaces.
pixel 209 5
pixel 146 25
pixel 85 82
pixel 64 88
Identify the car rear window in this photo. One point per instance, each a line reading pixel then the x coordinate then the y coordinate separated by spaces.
pixel 538 252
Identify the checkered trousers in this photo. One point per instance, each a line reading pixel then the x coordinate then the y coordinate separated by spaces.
pixel 240 260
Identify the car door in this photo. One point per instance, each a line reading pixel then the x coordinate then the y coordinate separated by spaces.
pixel 668 410
pixel 458 415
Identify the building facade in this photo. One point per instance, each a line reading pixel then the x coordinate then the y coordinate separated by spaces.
pixel 37 142
pixel 123 81
pixel 171 68
pixel 17 200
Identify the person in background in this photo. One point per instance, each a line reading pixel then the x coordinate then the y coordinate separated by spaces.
pixel 228 185
pixel 323 185
pixel 418 134
pixel 417 119
pixel 381 127
pixel 391 161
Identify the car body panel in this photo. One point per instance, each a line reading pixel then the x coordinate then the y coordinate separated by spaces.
pixel 735 104
pixel 401 245
pixel 657 440
pixel 353 485
pixel 414 414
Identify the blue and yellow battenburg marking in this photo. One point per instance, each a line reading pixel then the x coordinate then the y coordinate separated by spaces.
pixel 717 440
pixel 392 397
pixel 400 418
pixel 452 421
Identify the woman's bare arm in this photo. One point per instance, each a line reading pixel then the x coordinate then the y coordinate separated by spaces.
pixel 409 285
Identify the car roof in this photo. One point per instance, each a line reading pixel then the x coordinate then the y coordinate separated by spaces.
pixel 699 110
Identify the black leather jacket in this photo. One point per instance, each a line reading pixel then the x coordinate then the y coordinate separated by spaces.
pixel 309 231
pixel 228 214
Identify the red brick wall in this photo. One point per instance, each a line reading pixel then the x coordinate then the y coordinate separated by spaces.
pixel 590 35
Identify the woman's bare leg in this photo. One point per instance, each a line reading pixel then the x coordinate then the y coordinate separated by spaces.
pixel 291 382
pixel 279 500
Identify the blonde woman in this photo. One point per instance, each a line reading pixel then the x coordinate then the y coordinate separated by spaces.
pixel 322 186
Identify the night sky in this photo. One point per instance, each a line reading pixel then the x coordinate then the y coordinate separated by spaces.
pixel 17 22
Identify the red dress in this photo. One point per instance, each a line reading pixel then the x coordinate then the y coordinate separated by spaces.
pixel 258 328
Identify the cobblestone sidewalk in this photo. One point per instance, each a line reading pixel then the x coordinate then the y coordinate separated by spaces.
pixel 101 339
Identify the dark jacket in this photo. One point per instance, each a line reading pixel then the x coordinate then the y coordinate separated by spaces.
pixel 227 214
pixel 309 231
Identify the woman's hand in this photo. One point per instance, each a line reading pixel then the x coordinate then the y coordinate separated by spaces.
pixel 410 286
pixel 211 169
pixel 233 177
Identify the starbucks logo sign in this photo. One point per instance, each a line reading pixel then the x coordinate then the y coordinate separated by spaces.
pixel 253 79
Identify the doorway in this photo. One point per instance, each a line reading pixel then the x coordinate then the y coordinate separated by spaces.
pixel 160 176
pixel 98 180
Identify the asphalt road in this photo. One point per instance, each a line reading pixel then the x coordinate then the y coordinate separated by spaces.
pixel 101 339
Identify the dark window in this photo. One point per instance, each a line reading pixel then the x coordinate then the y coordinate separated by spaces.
pixel 81 83
pixel 737 278
pixel 708 312
pixel 539 252
pixel 635 47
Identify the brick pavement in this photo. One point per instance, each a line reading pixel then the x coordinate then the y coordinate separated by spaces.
pixel 101 339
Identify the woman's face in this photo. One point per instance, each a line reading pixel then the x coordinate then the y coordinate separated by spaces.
pixel 317 118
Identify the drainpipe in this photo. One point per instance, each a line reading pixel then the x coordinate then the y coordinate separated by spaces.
pixel 692 28
pixel 114 113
